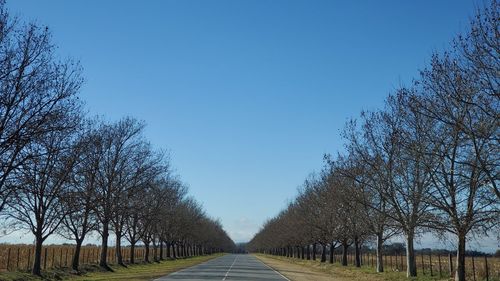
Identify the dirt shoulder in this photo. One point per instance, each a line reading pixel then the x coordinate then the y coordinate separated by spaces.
pixel 298 272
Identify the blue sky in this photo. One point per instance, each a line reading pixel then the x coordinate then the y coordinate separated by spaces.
pixel 246 95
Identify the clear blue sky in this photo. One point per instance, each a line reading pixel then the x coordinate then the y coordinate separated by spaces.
pixel 247 95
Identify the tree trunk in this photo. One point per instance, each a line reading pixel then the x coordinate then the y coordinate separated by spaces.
pixel 168 249
pixel 357 258
pixel 314 251
pixel 103 262
pixel 146 252
pixel 411 263
pixel 132 253
pixel 37 265
pixel 345 246
pixel 161 250
pixel 332 248
pixel 308 252
pixel 118 249
pixel 460 271
pixel 302 252
pixel 75 262
pixel 380 254
pixel 155 251
pixel 323 253
pixel 173 251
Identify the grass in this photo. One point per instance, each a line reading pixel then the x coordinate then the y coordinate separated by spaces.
pixel 353 273
pixel 134 272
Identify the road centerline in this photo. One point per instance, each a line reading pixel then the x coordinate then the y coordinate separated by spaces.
pixel 227 273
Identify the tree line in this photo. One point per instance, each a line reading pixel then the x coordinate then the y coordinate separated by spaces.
pixel 427 162
pixel 64 173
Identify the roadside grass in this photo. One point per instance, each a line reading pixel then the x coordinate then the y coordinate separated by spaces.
pixel 353 273
pixel 136 272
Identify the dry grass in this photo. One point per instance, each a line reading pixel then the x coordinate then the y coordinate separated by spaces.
pixel 297 269
pixel 136 272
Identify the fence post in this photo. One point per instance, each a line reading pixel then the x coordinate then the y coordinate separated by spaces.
pixel 423 265
pixel 439 262
pixel 473 269
pixel 29 259
pixel 66 258
pixel 402 262
pixel 390 261
pixel 450 264
pixel 60 257
pixel 17 259
pixel 430 261
pixel 45 259
pixel 486 268
pixel 53 257
pixel 8 258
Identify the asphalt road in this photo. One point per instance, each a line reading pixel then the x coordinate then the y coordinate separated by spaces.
pixel 227 267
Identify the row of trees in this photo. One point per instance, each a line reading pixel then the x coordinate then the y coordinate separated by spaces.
pixel 61 173
pixel 428 161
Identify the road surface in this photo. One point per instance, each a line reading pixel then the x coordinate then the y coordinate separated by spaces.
pixel 228 267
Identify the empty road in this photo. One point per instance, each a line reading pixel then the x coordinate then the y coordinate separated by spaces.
pixel 228 267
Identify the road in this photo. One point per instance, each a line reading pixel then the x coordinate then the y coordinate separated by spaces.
pixel 228 267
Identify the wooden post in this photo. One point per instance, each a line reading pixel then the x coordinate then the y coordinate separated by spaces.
pixel 402 263
pixel 45 259
pixel 397 268
pixel 486 268
pixel 473 269
pixel 8 258
pixel 66 258
pixel 29 259
pixel 423 267
pixel 430 261
pixel 17 259
pixel 60 257
pixel 390 260
pixel 450 259
pixel 53 257
pixel 439 263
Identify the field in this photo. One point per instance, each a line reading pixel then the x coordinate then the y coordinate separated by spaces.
pixel 136 272
pixel 20 257
pixel 477 268
pixel 392 272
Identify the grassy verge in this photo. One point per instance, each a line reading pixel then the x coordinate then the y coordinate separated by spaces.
pixel 134 272
pixel 338 272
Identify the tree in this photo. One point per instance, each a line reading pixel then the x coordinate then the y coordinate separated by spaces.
pixel 456 92
pixel 119 140
pixel 79 200
pixel 42 183
pixel 35 89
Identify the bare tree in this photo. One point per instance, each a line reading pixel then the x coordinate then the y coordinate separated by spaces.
pixel 34 90
pixel 79 200
pixel 42 183
pixel 465 139
pixel 119 140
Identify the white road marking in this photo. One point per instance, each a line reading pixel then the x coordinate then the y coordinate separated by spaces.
pixel 284 277
pixel 188 268
pixel 225 276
